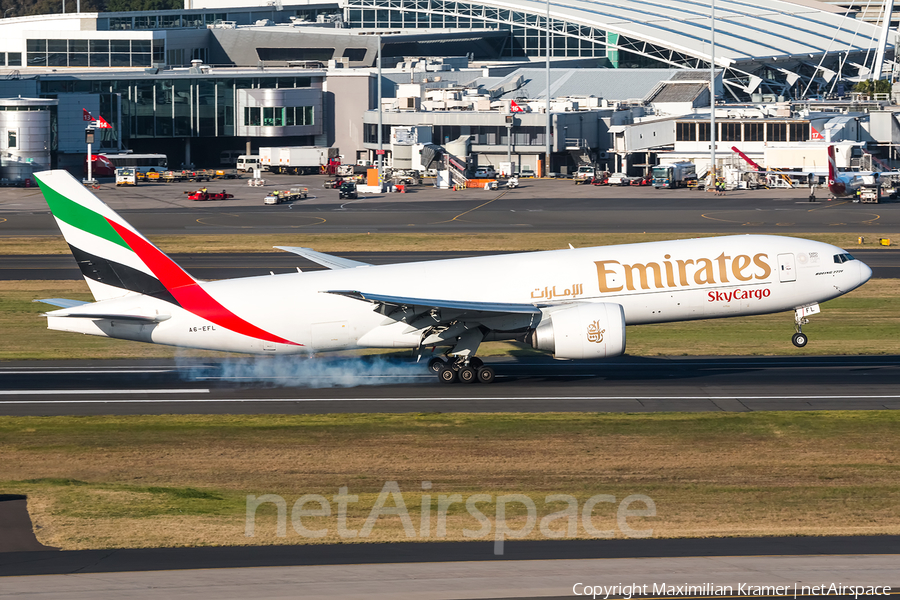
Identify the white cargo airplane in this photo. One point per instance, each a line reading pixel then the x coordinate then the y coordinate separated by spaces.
pixel 574 303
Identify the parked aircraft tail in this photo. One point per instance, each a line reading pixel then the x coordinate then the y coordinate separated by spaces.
pixel 832 166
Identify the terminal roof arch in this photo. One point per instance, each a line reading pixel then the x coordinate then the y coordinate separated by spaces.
pixel 764 45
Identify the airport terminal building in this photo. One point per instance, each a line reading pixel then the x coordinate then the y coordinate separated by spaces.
pixel 238 74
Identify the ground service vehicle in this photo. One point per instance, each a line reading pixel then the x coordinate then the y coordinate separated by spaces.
pixel 126 176
pixel 204 194
pixel 527 172
pixel 485 173
pixel 575 303
pixel 145 163
pixel 673 175
pixel 297 160
pixel 585 173
pixel 247 162
pixel 348 190
pixel 279 196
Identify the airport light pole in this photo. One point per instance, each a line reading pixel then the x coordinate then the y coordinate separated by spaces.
pixel 380 160
pixel 89 139
pixel 712 95
pixel 510 119
pixel 547 68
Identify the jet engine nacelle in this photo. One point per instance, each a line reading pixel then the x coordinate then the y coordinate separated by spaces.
pixel 582 330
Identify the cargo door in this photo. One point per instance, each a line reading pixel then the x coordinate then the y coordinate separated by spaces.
pixel 786 269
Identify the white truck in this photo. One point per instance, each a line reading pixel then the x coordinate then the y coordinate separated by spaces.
pixel 673 174
pixel 296 160
pixel 585 173
pixel 248 162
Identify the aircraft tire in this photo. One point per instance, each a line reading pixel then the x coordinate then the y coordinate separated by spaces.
pixel 435 364
pixel 799 339
pixel 476 363
pixel 467 375
pixel 447 375
pixel 486 375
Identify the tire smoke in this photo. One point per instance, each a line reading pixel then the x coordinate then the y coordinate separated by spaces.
pixel 306 372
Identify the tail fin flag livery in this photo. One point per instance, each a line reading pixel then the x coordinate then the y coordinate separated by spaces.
pixel 117 261
pixel 836 185
pixel 574 303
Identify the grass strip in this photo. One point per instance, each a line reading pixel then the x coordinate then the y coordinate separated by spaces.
pixel 864 321
pixel 407 242
pixel 152 481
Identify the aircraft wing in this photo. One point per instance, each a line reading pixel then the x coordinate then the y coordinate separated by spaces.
pixel 401 302
pixel 326 260
pixel 62 302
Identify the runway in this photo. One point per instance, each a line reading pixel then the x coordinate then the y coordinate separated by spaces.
pixel 464 570
pixel 356 385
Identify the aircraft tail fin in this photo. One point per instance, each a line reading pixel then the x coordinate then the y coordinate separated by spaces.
pixel 832 165
pixel 114 258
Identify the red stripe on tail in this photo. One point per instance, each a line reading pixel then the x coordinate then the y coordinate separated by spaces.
pixel 188 292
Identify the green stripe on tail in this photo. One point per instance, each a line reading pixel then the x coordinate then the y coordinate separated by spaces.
pixel 80 217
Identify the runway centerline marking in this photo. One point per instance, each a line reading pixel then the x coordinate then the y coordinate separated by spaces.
pixel 98 392
pixel 38 371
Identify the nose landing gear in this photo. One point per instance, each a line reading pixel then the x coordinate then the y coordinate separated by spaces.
pixel 800 339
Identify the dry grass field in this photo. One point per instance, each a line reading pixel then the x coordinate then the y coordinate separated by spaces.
pixel 102 482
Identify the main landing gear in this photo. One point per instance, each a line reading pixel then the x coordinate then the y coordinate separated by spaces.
pixel 461 370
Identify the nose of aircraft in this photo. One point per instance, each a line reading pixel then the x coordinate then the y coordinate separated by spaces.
pixel 865 272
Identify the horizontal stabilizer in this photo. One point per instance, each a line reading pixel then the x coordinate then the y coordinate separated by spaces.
pixel 326 260
pixel 77 312
pixel 62 302
pixel 401 301
pixel 114 317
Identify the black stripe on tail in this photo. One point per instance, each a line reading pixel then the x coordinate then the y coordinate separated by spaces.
pixel 121 276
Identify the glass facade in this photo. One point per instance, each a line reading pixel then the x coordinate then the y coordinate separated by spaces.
pixel 482 135
pixel 527 31
pixel 177 107
pixel 691 131
pixel 162 21
pixel 11 59
pixel 277 116
pixel 92 53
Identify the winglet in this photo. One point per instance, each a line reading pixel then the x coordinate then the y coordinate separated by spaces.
pixel 326 260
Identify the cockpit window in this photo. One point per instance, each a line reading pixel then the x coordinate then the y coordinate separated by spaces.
pixel 842 258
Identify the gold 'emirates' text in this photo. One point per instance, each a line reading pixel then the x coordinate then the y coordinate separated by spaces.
pixel 682 273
